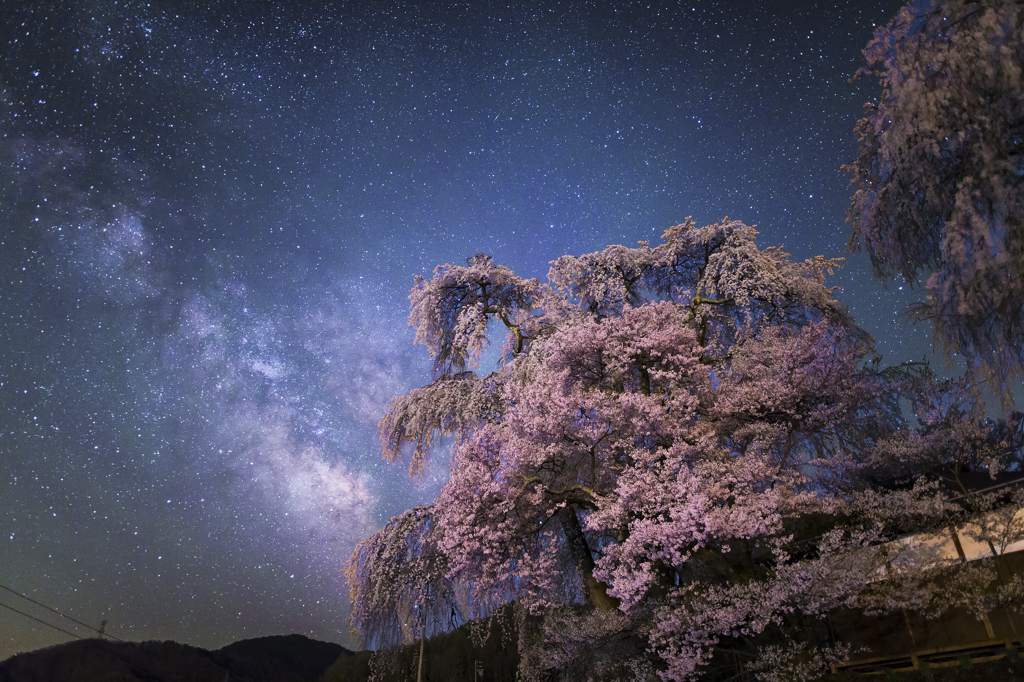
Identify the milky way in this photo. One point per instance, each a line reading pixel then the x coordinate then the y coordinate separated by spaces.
pixel 210 220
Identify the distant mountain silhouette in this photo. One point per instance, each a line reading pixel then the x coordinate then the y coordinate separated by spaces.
pixel 288 658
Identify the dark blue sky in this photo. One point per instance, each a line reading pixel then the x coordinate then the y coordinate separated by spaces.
pixel 210 220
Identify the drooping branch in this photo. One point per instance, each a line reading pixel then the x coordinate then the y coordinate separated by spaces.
pixel 938 192
pixel 451 405
pixel 450 311
pixel 396 569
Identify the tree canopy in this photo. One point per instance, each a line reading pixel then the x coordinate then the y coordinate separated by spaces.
pixel 939 183
pixel 689 448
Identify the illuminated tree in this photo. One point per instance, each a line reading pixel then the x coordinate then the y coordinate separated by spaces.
pixel 687 445
pixel 940 178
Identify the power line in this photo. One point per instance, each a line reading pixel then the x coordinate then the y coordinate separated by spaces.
pixel 19 594
pixel 40 621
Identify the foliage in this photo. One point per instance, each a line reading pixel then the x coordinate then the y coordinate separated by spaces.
pixel 689 453
pixel 451 311
pixel 940 177
pixel 404 591
pixel 797 662
pixel 450 405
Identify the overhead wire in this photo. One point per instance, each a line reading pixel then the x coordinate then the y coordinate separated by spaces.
pixel 78 622
pixel 40 621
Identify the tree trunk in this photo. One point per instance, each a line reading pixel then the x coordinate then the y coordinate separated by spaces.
pixel 423 636
pixel 594 590
pixel 419 672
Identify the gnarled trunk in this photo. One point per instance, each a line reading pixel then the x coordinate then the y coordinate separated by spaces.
pixel 594 590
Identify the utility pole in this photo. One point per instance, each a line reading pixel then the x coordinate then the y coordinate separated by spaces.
pixel 103 627
pixel 419 673
pixel 423 636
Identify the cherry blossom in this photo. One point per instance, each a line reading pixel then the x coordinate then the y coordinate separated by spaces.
pixel 938 185
pixel 686 446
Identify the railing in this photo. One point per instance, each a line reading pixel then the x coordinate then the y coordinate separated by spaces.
pixel 905 641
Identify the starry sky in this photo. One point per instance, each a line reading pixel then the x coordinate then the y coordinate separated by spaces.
pixel 211 214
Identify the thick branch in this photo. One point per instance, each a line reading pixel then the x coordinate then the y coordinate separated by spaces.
pixel 595 590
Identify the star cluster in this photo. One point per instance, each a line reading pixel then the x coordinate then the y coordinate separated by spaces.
pixel 211 215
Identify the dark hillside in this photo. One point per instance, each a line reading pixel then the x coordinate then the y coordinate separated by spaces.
pixel 291 658
pixel 283 657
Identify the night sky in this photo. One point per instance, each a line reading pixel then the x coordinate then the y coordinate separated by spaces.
pixel 210 219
